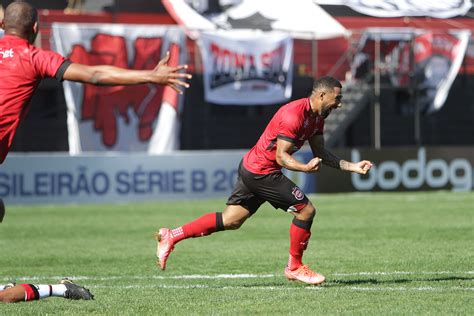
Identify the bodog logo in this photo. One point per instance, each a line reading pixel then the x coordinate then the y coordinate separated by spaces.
pixel 104 105
pixel 414 173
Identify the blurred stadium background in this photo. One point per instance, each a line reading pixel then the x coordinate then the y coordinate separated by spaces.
pixel 407 69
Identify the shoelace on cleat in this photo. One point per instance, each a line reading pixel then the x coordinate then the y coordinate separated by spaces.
pixel 307 271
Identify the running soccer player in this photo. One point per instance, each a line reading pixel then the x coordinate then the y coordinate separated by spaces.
pixel 12 293
pixel 260 178
pixel 23 66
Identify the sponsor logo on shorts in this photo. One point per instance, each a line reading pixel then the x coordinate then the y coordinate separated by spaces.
pixel 297 193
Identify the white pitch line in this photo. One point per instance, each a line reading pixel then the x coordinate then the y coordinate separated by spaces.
pixel 285 288
pixel 154 277
pixel 227 276
pixel 202 286
pixel 424 288
pixel 400 273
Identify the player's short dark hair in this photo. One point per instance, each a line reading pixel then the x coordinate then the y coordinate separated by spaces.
pixel 21 16
pixel 326 83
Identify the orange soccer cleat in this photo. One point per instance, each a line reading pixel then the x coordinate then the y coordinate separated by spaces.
pixel 164 246
pixel 304 274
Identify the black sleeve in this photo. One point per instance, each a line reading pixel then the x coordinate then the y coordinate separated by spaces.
pixel 62 69
pixel 287 138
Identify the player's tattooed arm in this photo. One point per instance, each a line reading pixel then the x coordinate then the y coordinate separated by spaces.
pixel 105 75
pixel 287 161
pixel 329 159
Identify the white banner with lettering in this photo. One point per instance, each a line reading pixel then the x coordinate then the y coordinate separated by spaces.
pixel 131 177
pixel 142 118
pixel 244 67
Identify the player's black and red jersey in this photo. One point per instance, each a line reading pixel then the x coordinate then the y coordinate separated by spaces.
pixel 22 66
pixel 294 122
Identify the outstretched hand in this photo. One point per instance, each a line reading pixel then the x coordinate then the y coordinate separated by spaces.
pixel 362 167
pixel 170 76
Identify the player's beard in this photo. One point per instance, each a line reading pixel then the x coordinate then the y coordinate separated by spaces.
pixel 325 112
pixel 32 37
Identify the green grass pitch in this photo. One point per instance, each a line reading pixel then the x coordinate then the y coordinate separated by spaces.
pixel 382 253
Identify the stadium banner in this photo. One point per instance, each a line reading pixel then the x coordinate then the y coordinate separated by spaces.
pixel 429 60
pixel 245 67
pixel 403 169
pixel 112 178
pixel 143 118
pixel 302 19
pixel 397 8
pixel 438 58
pixel 468 66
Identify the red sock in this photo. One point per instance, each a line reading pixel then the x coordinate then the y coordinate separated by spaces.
pixel 203 226
pixel 299 238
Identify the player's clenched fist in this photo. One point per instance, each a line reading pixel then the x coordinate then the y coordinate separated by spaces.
pixel 313 165
pixel 363 167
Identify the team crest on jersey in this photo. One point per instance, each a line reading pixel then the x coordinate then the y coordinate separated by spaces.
pixel 297 193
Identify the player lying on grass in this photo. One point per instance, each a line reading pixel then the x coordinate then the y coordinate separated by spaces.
pixel 12 293
pixel 260 178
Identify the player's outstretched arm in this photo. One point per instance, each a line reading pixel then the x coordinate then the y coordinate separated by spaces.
pixel 110 75
pixel 329 159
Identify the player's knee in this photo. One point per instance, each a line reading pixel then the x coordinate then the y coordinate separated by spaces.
pixel 308 212
pixel 234 216
pixel 235 224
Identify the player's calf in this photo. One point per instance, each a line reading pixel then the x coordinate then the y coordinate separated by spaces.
pixel 12 293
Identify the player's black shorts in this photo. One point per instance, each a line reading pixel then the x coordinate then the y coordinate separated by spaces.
pixel 252 190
